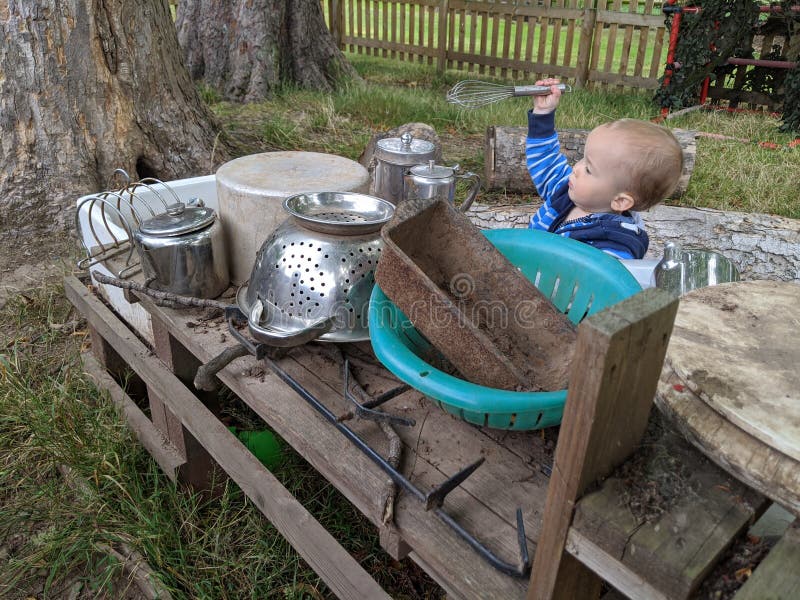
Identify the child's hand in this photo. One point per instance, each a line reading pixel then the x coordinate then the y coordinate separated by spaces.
pixel 543 105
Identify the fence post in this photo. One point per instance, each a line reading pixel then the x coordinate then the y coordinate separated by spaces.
pixel 441 53
pixel 585 47
pixel 337 21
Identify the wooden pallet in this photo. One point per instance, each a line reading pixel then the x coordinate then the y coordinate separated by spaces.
pixel 588 536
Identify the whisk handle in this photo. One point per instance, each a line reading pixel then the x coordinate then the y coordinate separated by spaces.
pixel 539 90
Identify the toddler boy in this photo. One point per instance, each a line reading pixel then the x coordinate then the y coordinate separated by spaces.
pixel 628 165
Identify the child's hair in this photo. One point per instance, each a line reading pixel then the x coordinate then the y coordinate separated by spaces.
pixel 656 160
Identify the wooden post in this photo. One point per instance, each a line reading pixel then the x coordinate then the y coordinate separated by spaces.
pixel 615 370
pixel 336 17
pixel 585 47
pixel 441 50
pixel 200 471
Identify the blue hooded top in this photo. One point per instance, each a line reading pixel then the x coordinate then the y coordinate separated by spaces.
pixel 621 235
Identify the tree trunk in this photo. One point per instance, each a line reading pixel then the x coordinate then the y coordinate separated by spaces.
pixel 244 49
pixel 87 86
pixel 761 246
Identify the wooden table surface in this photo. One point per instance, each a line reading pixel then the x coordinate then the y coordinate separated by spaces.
pixel 662 555
pixel 731 381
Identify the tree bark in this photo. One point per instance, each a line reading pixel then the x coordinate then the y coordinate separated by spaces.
pixel 245 49
pixel 87 86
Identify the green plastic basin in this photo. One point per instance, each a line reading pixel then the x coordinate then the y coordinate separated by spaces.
pixel 580 281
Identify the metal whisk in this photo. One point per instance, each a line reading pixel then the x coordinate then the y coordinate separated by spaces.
pixel 472 93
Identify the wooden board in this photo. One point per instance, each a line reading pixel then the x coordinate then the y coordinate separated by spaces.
pixel 763 468
pixel 736 346
pixel 777 577
pixel 438 446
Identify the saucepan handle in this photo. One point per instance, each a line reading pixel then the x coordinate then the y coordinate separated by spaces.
pixel 473 190
pixel 284 338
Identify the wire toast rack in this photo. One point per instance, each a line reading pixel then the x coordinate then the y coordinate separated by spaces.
pixel 111 228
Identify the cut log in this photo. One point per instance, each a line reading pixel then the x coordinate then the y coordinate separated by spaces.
pixel 761 246
pixel 505 157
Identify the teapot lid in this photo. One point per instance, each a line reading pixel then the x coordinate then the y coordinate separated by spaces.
pixel 178 219
pixel 404 150
pixel 432 171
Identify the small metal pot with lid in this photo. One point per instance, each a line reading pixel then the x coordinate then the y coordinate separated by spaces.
pixel 432 182
pixel 183 251
pixel 394 157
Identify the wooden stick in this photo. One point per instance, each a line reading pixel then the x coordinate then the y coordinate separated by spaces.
pixel 206 377
pixel 158 294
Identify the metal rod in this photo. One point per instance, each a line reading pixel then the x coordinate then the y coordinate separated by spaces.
pixel 436 496
pixel 521 570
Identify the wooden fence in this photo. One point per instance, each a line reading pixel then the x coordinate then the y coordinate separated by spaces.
pixel 601 42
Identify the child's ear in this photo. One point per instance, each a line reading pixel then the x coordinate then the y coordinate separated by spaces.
pixel 622 202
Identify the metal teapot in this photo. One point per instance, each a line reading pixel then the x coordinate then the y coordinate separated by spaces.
pixel 432 181
pixel 183 251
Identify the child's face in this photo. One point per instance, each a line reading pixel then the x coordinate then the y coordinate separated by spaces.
pixel 596 178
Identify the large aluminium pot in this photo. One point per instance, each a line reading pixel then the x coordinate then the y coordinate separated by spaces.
pixel 313 276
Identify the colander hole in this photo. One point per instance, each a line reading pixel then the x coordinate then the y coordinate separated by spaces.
pixel 360 264
pixel 369 248
pixel 292 293
pixel 369 262
pixel 322 284
pixel 292 244
pixel 302 281
pixel 311 279
pixel 312 288
pixel 277 266
pixel 321 294
pixel 292 256
pixel 379 249
pixel 326 256
pixel 350 310
pixel 347 281
pixel 316 303
pixel 317 267
pixel 301 243
pixel 284 260
pixel 319 249
pixel 346 290
pixel 352 271
pixel 363 275
pixel 284 246
pixel 360 249
pixel 299 303
pixel 352 254
pixel 344 260
pixel 308 298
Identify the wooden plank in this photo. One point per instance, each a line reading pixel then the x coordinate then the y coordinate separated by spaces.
pixel 361 481
pixel 401 28
pixel 657 62
pixel 763 468
pixel 432 28
pixel 544 28
pixel 777 577
pixel 164 453
pixel 482 18
pixel 519 29
pixel 323 553
pixel 385 26
pixel 570 41
pixel 672 548
pixel 611 44
pixel 508 31
pixel 556 42
pixel 614 572
pixel 585 49
pixel 443 44
pixel 350 30
pixel 616 364
pixel 615 18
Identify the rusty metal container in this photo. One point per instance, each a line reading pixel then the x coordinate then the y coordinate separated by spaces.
pixel 486 318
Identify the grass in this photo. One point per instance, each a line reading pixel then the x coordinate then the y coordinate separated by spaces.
pixel 728 175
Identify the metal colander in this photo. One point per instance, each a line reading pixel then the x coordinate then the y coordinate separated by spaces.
pixel 309 274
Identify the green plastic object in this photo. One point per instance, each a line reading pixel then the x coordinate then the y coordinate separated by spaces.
pixel 580 281
pixel 264 445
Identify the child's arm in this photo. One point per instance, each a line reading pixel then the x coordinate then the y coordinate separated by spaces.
pixel 548 168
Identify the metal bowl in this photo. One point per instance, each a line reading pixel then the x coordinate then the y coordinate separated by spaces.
pixel 339 213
